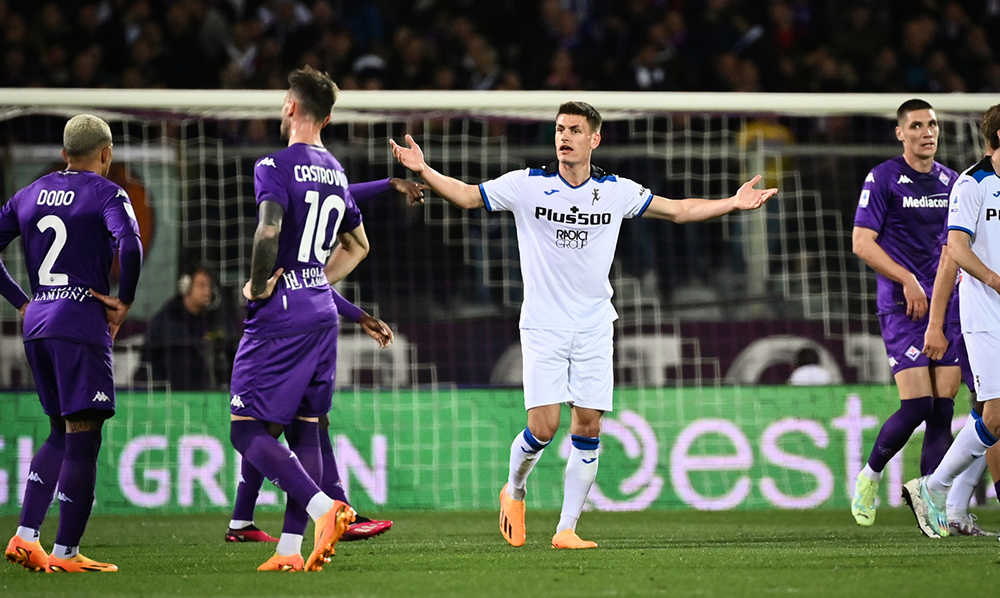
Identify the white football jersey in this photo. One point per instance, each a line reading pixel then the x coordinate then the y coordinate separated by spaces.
pixel 974 207
pixel 567 238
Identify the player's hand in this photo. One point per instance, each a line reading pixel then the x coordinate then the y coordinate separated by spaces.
pixel 413 191
pixel 916 300
pixel 23 308
pixel 378 330
pixel 114 311
pixel 748 198
pixel 268 289
pixel 935 343
pixel 411 157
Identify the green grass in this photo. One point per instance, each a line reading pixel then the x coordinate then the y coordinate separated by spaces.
pixel 772 553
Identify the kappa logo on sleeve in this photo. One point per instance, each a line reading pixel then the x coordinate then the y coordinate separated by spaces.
pixel 268 161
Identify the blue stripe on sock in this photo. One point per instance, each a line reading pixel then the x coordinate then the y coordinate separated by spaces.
pixel 976 416
pixel 533 442
pixel 585 443
pixel 984 434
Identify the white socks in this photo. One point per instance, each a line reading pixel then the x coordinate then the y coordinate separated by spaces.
pixel 871 474
pixel 581 471
pixel 961 491
pixel 289 544
pixel 967 447
pixel 318 505
pixel 65 552
pixel 239 524
pixel 524 453
pixel 29 534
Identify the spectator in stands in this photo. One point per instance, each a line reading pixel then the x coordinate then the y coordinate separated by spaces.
pixel 184 340
pixel 808 371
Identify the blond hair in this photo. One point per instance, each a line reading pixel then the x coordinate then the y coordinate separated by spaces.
pixel 85 134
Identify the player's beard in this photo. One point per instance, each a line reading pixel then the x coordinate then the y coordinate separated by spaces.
pixel 285 126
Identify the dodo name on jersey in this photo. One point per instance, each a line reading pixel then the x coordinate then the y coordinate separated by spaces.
pixel 311 173
pixel 55 197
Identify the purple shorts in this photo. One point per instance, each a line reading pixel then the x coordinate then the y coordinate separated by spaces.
pixel 904 339
pixel 71 377
pixel 278 379
pixel 963 361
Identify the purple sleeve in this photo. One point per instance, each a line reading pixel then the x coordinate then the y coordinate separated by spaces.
pixel 9 230
pixel 352 215
pixel 346 309
pixel 129 265
pixel 872 203
pixel 363 191
pixel 269 184
pixel 10 290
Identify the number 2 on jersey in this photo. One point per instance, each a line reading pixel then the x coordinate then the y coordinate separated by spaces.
pixel 46 276
pixel 314 234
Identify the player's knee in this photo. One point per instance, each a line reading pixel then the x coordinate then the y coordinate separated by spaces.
pixel 57 432
pixel 87 420
pixel 243 432
pixel 543 432
pixel 324 423
pixel 991 417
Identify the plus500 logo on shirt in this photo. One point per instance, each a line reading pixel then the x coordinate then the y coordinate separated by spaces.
pixel 574 217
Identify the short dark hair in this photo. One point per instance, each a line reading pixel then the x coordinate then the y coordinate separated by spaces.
pixel 314 91
pixel 991 125
pixel 807 356
pixel 584 109
pixel 910 106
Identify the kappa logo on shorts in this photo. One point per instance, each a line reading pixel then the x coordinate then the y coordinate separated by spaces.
pixel 913 353
pixel 100 397
pixel 237 402
pixel 892 362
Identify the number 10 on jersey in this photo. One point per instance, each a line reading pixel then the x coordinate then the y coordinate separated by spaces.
pixel 315 239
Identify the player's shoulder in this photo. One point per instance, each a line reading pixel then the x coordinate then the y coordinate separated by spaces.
pixel 551 169
pixel 980 170
pixel 889 167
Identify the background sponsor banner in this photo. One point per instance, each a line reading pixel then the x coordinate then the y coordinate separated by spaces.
pixel 664 448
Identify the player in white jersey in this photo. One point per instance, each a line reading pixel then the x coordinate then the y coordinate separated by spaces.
pixel 568 216
pixel 974 244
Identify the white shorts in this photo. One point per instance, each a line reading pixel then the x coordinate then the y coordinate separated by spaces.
pixel 563 366
pixel 984 357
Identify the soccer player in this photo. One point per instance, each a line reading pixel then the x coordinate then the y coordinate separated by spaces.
pixel 944 308
pixel 568 216
pixel 284 367
pixel 902 208
pixel 241 526
pixel 70 223
pixel 975 248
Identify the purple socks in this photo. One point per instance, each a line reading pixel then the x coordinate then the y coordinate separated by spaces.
pixel 247 492
pixel 273 460
pixel 77 479
pixel 937 437
pixel 303 440
pixel 898 428
pixel 331 476
pixel 42 477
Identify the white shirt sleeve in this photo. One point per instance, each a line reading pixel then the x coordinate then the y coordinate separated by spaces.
pixel 501 194
pixel 637 197
pixel 964 205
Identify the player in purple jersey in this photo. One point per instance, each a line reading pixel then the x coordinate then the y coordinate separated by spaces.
pixel 241 526
pixel 70 223
pixel 903 206
pixel 284 367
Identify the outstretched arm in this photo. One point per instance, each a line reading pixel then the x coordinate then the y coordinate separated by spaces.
pixel 414 192
pixel 697 210
pixel 457 193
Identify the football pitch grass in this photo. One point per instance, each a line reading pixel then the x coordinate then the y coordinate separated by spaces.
pixel 761 553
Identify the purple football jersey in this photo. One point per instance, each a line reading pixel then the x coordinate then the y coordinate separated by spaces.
pixel 70 223
pixel 310 185
pixel 907 209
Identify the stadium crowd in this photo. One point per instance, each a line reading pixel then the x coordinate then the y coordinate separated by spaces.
pixel 912 46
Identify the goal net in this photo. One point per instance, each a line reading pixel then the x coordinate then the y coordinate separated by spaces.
pixel 702 306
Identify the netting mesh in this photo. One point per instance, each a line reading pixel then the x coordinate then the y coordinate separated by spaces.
pixel 449 280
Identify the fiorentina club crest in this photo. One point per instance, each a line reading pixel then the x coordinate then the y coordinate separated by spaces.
pixel 944 178
pixel 913 353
